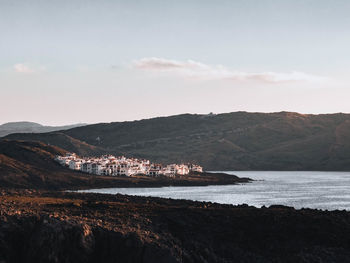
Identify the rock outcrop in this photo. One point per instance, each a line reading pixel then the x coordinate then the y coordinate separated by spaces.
pixel 72 227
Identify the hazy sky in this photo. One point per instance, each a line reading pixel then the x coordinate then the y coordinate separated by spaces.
pixel 72 61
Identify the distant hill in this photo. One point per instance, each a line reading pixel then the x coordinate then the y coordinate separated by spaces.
pixel 31 127
pixel 26 164
pixel 231 141
pixel 29 164
pixel 61 140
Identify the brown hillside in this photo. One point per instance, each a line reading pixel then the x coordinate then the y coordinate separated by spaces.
pixel 26 164
pixel 31 165
pixel 230 141
pixel 58 139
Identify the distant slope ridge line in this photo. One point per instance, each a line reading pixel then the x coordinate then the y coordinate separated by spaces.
pixel 59 139
pixel 229 141
pixel 31 127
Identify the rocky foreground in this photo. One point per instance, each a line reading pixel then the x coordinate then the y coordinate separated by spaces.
pixel 72 227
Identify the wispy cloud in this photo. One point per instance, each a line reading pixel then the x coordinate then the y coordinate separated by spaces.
pixel 195 69
pixel 21 68
pixel 25 68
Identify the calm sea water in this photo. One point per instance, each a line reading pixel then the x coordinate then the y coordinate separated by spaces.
pixel 323 190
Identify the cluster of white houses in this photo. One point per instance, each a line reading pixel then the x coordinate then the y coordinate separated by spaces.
pixel 122 166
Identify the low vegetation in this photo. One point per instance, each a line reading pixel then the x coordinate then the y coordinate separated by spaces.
pixel 25 164
pixel 232 141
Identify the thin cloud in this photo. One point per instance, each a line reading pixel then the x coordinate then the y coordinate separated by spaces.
pixel 23 68
pixel 195 69
pixel 167 64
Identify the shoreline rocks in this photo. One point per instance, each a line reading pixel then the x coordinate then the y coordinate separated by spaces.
pixel 42 226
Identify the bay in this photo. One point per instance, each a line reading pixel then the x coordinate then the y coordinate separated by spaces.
pixel 299 189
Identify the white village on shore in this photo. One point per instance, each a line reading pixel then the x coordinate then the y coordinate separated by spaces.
pixel 110 165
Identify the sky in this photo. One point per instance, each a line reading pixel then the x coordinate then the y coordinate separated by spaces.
pixel 64 62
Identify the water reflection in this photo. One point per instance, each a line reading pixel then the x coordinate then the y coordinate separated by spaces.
pixel 323 190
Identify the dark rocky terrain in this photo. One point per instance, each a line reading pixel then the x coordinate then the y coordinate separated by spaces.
pixel 40 224
pixel 231 141
pixel 71 227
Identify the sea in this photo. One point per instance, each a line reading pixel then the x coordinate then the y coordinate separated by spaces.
pixel 318 190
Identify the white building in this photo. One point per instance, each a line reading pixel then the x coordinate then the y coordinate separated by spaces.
pixel 169 170
pixel 97 168
pixel 74 164
pixel 196 168
pixel 182 169
pixel 86 167
pixel 122 166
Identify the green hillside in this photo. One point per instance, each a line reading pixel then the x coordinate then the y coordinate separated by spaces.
pixel 231 141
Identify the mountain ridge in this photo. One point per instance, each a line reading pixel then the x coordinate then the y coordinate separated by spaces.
pixel 228 141
pixel 32 127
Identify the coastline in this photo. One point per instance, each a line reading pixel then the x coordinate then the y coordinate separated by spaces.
pixel 31 165
pixel 141 181
pixel 50 225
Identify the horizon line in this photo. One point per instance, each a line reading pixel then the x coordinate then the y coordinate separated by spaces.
pixel 172 115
